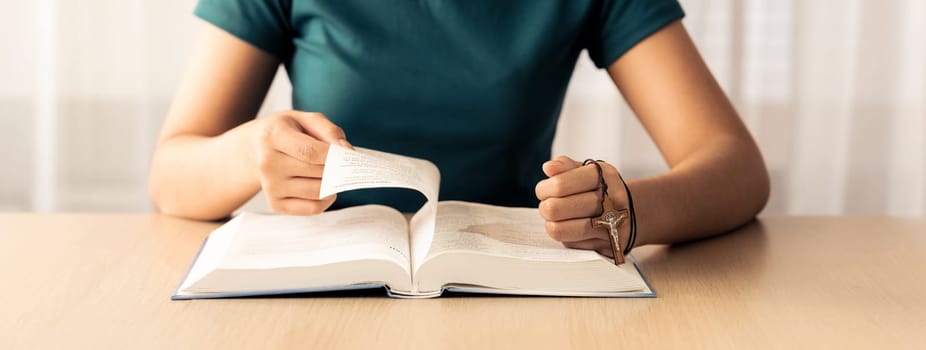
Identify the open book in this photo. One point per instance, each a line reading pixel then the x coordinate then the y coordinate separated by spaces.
pixel 451 245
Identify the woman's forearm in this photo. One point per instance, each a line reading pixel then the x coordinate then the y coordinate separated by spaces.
pixel 205 178
pixel 717 188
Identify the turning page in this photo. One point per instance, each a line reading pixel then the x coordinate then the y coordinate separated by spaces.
pixel 361 168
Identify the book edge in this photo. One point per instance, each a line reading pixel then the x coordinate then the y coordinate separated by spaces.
pixel 277 292
pixel 648 293
pixel 189 269
pixel 178 296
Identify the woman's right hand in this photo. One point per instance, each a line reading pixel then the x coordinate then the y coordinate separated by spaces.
pixel 291 150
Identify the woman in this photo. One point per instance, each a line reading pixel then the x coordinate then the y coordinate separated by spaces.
pixel 474 86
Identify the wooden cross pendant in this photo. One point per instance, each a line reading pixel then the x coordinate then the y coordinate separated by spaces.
pixel 612 220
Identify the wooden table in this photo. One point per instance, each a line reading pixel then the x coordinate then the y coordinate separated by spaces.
pixel 104 281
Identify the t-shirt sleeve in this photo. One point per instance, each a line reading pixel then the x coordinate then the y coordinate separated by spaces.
pixel 621 24
pixel 262 23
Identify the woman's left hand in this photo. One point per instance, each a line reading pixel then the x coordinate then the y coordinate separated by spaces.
pixel 571 196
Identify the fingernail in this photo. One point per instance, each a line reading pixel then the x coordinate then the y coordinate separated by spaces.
pixel 345 144
pixel 553 163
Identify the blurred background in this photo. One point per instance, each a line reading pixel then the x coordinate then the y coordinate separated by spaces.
pixel 833 90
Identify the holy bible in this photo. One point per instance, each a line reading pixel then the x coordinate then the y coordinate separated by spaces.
pixel 445 246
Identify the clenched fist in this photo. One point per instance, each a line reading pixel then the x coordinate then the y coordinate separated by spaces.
pixel 571 196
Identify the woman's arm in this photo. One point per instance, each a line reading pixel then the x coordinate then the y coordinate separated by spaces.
pixel 212 155
pixel 717 178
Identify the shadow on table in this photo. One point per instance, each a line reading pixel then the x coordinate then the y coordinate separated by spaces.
pixel 736 259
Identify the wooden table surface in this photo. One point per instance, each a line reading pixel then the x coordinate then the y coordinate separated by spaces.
pixel 104 281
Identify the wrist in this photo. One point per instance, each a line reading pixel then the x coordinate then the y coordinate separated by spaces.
pixel 244 140
pixel 629 232
pixel 624 235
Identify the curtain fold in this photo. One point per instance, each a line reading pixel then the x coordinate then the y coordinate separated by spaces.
pixel 833 91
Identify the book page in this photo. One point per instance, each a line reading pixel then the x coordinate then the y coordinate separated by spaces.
pixel 421 233
pixel 365 168
pixel 493 230
pixel 358 233
pixel 360 168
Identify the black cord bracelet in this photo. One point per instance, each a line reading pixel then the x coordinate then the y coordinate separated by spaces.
pixel 633 217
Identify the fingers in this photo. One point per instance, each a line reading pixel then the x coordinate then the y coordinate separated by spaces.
pixel 294 187
pixel 577 180
pixel 292 149
pixel 296 196
pixel 558 165
pixel 575 230
pixel 582 205
pixel 301 135
pixel 280 165
pixel 285 135
pixel 579 234
pixel 319 126
pixel 298 206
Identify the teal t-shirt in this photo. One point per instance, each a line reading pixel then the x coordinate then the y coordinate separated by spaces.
pixel 475 86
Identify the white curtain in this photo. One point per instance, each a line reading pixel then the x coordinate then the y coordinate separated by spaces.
pixel 834 91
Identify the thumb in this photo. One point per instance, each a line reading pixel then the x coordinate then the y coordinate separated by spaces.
pixel 559 165
pixel 319 126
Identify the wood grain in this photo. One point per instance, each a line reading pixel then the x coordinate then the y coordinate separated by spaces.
pixel 104 281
